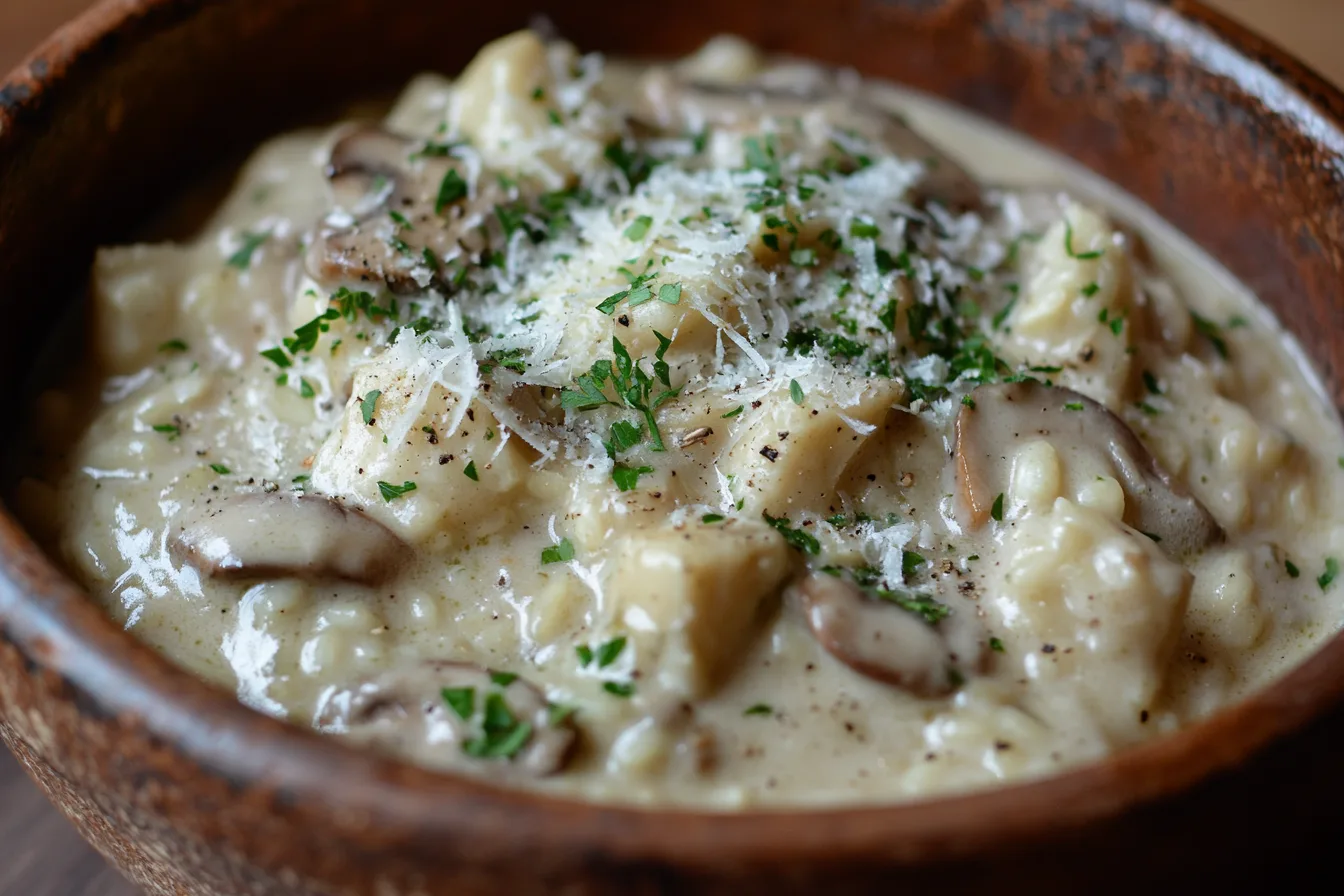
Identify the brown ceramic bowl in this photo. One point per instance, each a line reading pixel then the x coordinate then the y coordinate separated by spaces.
pixel 188 792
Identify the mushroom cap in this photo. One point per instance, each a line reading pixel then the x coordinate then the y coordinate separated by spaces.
pixel 886 642
pixel 374 173
pixel 405 711
pixel 1088 436
pixel 301 536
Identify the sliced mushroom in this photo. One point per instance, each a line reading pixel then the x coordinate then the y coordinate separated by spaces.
pixel 417 712
pixel 304 536
pixel 883 641
pixel 671 102
pixel 1088 437
pixel 391 189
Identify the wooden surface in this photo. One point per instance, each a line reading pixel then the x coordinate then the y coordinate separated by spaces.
pixel 40 854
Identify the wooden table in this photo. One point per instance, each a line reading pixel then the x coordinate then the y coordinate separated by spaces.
pixel 40 854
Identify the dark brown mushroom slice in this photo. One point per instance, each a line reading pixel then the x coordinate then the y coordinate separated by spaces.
pixel 1085 434
pixel 382 180
pixel 945 181
pixel 446 713
pixel 295 536
pixel 886 642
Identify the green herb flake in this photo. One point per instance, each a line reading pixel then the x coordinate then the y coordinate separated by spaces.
pixel 1090 290
pixel 462 701
pixel 618 689
pixel 585 654
pixel 172 346
pixel 923 606
pixel 711 518
pixel 502 735
pixel 391 492
pixel 759 709
pixel 451 189
pixel 797 538
pixel 277 357
pixel 627 478
pixel 864 231
pixel 669 293
pixel 740 408
pixel 1331 572
pixel 503 679
pixel 469 471
pixel 221 469
pixel 1291 568
pixel 639 228
pixel 368 406
pixel 1209 330
pixel 1073 406
pixel 996 645
pixel 1151 384
pixel 306 389
pixel 242 259
pixel 910 563
pixel 558 553
pixel 608 653
pixel 171 430
pixel 968 401
pixel 796 392
pixel 1068 244
pixel 996 511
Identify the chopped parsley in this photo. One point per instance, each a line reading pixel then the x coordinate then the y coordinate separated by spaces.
pixel 996 645
pixel 968 401
pixel 639 228
pixel 469 471
pixel 1331 572
pixel 461 701
pixel 1291 567
pixel 797 538
pixel 1091 289
pixel 996 511
pixel 306 389
pixel 1209 330
pixel 627 478
pixel 368 405
pixel 618 689
pixel 558 553
pixel 171 430
pixel 669 293
pixel 585 654
pixel 1073 406
pixel 242 259
pixel 711 518
pixel 451 189
pixel 910 563
pixel 607 653
pixel 759 709
pixel 391 492
pixel 502 735
pixel 1150 383
pixel 1068 244
pixel 173 345
pixel 740 408
pixel 503 679
pixel 796 392
pixel 923 606
pixel 221 469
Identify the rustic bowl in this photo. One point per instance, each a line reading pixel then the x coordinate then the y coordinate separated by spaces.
pixel 188 792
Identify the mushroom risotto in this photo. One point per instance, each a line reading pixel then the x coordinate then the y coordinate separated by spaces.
pixel 694 433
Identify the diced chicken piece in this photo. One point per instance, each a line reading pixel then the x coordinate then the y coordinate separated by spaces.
pixel 692 597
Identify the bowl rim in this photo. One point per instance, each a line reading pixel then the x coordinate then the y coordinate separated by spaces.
pixel 54 624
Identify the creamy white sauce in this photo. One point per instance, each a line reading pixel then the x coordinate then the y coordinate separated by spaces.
pixel 1071 634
